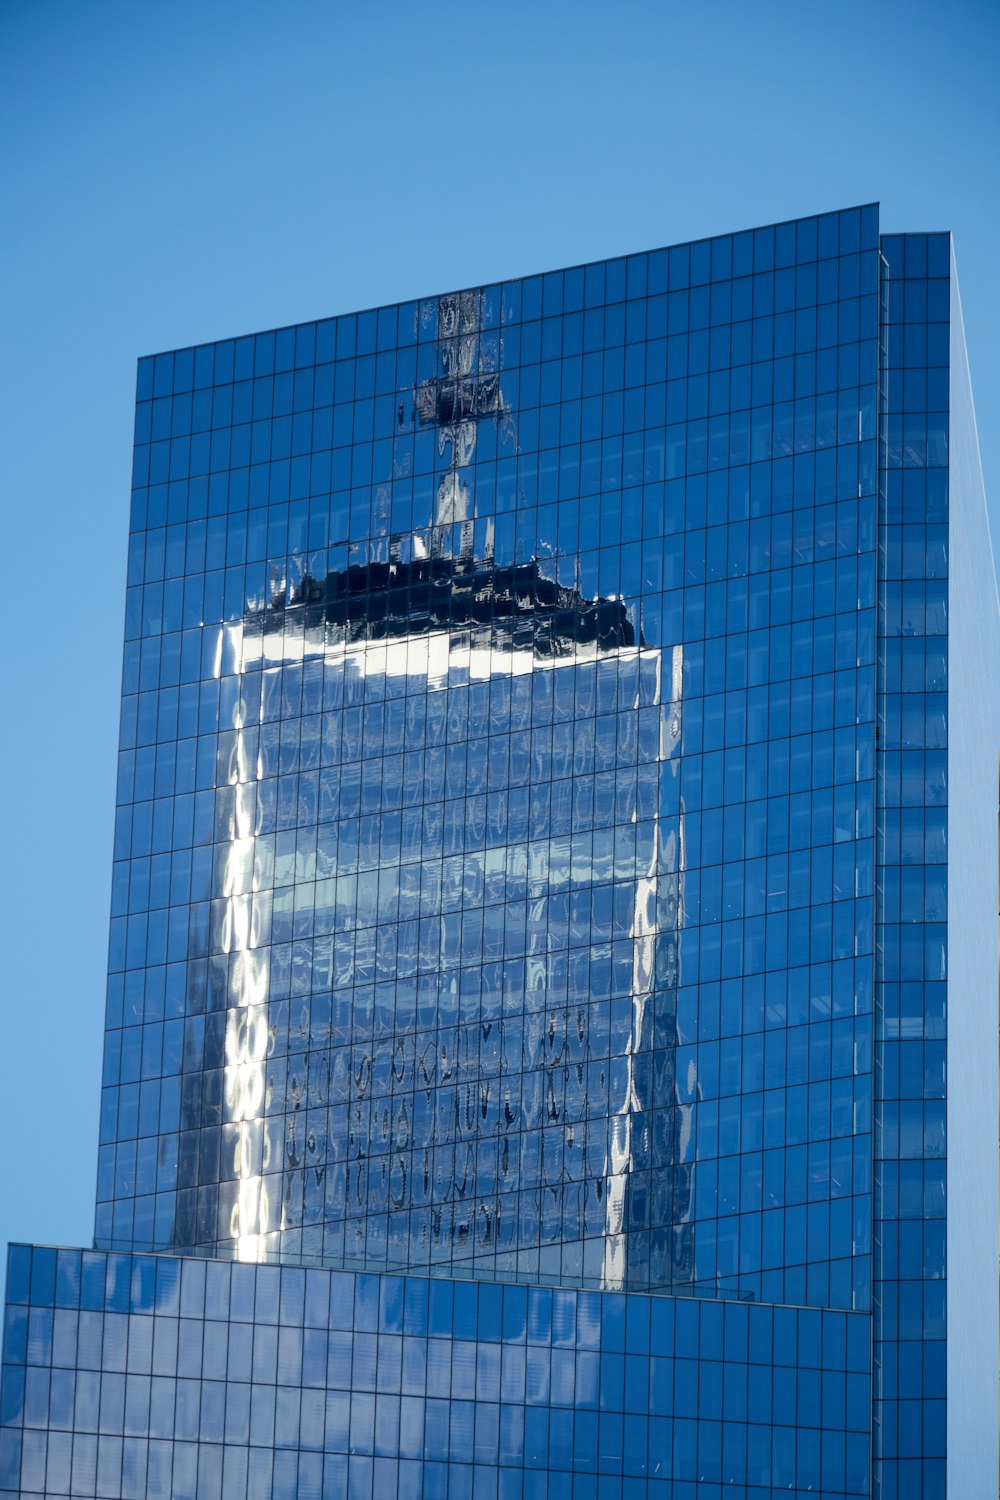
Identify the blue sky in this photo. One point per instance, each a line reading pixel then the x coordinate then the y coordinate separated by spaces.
pixel 185 172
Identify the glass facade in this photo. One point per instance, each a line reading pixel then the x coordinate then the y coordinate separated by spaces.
pixel 530 910
pixel 150 1375
pixel 911 978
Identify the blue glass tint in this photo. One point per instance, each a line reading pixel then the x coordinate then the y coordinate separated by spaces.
pixel 186 1400
pixel 495 850
pixel 912 876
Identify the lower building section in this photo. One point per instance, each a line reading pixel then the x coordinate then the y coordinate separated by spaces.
pixel 138 1375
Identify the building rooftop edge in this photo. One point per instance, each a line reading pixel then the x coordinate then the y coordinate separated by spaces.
pixel 356 312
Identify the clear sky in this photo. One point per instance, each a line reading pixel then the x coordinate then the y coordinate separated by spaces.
pixel 174 173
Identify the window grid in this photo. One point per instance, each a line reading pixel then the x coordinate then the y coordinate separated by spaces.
pixel 135 1375
pixel 911 972
pixel 497 755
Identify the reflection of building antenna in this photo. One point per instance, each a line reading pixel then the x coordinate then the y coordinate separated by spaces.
pixel 453 401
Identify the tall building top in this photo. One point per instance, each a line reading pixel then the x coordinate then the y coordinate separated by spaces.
pixel 481 616
pixel 554 845
pixel 693 263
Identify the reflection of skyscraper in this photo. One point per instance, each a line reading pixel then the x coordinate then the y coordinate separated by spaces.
pixel 541 750
pixel 389 1175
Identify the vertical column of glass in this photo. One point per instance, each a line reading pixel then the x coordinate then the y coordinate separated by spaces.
pixel 771 1071
pixel 910 1088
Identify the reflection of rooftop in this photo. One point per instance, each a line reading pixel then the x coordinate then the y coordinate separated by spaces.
pixel 458 398
pixel 388 600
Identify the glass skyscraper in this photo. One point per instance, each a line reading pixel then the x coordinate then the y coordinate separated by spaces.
pixel 551 1039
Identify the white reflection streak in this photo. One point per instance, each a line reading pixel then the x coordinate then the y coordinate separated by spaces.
pixel 246 1023
pixel 434 657
pixel 618 1164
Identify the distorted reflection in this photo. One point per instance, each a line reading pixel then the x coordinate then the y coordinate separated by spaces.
pixel 443 954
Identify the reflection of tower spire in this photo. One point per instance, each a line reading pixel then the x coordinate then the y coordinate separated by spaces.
pixel 453 401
